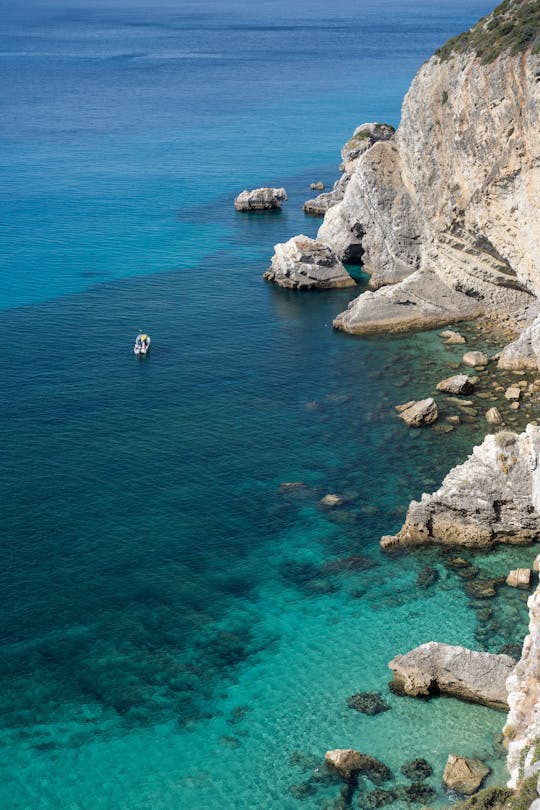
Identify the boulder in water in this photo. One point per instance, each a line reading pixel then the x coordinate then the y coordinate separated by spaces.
pixel 260 199
pixel 464 774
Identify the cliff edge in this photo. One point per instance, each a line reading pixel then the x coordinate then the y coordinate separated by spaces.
pixel 448 210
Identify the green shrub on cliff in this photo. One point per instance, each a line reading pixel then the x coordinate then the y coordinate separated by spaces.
pixel 491 798
pixel 513 26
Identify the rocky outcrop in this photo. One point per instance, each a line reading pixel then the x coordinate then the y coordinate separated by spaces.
pixel 464 774
pixel 260 199
pixel 416 414
pixel 522 730
pixel 456 191
pixel 362 139
pixel 494 497
pixel 303 263
pixel 439 669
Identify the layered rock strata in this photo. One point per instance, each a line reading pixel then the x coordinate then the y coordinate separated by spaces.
pixel 494 497
pixel 303 263
pixel 440 669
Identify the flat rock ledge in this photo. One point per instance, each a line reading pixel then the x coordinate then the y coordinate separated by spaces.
pixel 494 497
pixel 304 263
pixel 260 199
pixel 440 669
pixel 421 301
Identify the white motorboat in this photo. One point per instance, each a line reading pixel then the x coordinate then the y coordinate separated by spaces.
pixel 142 344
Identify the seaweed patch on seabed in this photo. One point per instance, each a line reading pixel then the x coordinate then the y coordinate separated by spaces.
pixel 89 688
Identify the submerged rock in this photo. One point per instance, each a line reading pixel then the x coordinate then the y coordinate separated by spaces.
pixel 436 668
pixel 332 500
pixel 417 770
pixel 368 703
pixel 303 790
pixel 417 793
pixel 292 486
pixel 348 762
pixel 416 414
pixel 376 798
pixel 494 497
pixel 304 263
pixel 464 774
pixel 260 199
pixel 427 577
pixel 483 588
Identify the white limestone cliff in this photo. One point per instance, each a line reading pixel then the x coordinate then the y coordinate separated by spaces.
pixel 455 193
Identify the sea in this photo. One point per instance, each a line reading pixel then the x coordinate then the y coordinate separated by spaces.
pixel 182 620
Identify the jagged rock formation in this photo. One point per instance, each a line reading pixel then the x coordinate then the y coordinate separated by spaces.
pixel 456 192
pixel 522 730
pixel 440 669
pixel 303 263
pixel 494 497
pixel 361 140
pixel 260 199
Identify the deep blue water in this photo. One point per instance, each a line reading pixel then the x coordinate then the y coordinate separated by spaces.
pixel 174 626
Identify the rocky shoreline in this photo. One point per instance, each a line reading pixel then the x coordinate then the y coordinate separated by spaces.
pixel 444 215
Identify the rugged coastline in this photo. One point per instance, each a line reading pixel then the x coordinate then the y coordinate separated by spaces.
pixel 444 215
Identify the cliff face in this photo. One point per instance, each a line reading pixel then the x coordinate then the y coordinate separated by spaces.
pixel 522 729
pixel 457 190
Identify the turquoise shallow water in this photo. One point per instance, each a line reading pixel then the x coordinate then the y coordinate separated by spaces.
pixel 177 631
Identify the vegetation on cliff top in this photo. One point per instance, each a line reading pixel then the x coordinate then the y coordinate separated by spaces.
pixel 513 26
